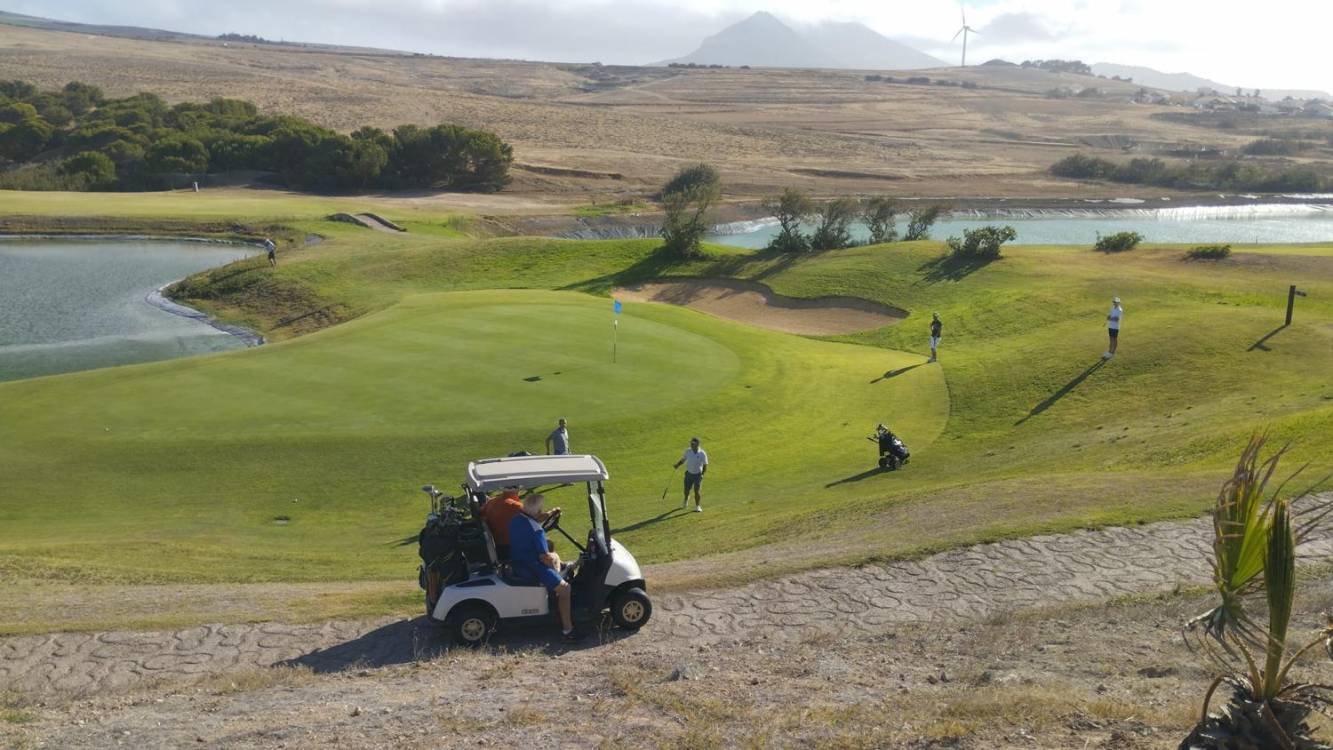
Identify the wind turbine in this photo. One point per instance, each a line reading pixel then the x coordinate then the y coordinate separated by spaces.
pixel 965 30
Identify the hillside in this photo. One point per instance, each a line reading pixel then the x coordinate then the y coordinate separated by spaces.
pixel 1189 82
pixel 764 41
pixel 603 133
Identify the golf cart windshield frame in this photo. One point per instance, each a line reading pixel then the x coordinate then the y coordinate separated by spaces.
pixel 531 472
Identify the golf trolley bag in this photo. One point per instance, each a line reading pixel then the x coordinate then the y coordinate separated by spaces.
pixel 441 547
pixel 892 451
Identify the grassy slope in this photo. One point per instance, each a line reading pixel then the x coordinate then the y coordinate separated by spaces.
pixel 351 419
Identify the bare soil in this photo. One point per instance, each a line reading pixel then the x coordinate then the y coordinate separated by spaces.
pixel 1057 641
pixel 755 304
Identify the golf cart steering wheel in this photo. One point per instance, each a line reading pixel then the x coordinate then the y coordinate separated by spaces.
pixel 552 521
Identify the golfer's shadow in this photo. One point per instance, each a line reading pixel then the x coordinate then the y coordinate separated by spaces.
pixel 660 517
pixel 895 373
pixel 1065 390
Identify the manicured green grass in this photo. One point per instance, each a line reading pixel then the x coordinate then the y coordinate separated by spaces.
pixel 175 471
pixel 178 470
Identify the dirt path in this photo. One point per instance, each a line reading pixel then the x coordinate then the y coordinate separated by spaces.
pixel 378 223
pixel 968 584
pixel 757 305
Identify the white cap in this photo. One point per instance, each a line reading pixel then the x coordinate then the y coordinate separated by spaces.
pixel 1115 300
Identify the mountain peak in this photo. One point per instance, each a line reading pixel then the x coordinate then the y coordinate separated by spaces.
pixel 763 40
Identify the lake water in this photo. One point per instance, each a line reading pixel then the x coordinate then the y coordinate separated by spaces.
pixel 70 305
pixel 1199 225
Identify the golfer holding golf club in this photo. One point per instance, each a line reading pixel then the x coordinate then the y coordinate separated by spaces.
pixel 696 463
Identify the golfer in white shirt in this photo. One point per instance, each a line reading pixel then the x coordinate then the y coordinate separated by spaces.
pixel 696 463
pixel 1113 326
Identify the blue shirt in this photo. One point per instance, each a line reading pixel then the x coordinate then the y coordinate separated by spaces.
pixel 527 544
pixel 560 441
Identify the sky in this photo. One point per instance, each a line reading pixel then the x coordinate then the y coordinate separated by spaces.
pixel 1273 44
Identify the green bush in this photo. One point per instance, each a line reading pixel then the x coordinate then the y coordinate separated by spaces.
pixel 920 220
pixel 92 168
pixel 982 243
pixel 833 230
pixel 1209 252
pixel 791 208
pixel 1118 242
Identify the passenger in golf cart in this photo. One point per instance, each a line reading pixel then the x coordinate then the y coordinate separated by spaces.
pixel 604 576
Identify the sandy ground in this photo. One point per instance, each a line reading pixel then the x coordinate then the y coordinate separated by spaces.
pixel 1043 642
pixel 755 304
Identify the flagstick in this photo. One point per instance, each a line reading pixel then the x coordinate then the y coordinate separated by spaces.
pixel 615 336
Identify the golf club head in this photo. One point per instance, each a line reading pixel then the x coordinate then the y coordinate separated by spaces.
pixel 429 489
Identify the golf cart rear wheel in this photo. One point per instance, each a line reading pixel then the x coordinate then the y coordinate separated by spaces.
pixel 631 608
pixel 472 624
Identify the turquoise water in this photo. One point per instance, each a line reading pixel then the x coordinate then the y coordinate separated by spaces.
pixel 1206 225
pixel 69 305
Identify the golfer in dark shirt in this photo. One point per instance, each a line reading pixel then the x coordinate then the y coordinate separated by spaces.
pixel 936 327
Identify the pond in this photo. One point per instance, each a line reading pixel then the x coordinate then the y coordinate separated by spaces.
pixel 69 305
pixel 1267 223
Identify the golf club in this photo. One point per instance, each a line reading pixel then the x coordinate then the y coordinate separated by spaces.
pixel 669 481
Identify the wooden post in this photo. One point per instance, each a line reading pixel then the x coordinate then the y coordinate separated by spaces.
pixel 1292 294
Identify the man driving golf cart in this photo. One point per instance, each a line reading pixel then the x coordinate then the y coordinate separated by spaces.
pixel 532 560
pixel 604 577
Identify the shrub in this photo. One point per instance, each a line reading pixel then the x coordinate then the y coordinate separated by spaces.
pixel 982 243
pixel 1118 242
pixel 1273 147
pixel 920 220
pixel 686 199
pixel 834 229
pixel 176 154
pixel 791 208
pixel 1209 252
pixel 92 168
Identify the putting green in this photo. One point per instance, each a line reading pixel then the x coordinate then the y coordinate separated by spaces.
pixel 301 460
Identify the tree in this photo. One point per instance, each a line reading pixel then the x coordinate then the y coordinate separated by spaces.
pixel 25 140
pixel 686 199
pixel 177 154
pixel 16 112
pixel 920 220
pixel 878 215
pixel 833 231
pixel 81 97
pixel 790 208
pixel 94 170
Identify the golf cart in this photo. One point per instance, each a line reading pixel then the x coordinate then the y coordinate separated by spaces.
pixel 471 589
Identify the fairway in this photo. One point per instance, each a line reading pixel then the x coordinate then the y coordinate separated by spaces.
pixel 398 358
pixel 197 459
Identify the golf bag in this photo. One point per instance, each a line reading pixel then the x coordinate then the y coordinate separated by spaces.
pixel 441 547
pixel 892 451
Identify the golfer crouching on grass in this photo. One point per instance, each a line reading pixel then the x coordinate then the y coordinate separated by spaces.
pixel 696 463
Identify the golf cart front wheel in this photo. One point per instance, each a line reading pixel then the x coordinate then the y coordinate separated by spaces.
pixel 472 625
pixel 631 608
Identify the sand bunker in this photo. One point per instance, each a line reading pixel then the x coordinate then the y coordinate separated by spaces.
pixel 757 305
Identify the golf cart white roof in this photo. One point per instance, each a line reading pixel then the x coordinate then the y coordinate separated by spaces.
pixel 533 471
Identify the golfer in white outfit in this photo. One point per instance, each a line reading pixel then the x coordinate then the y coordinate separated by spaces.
pixel 696 463
pixel 1113 321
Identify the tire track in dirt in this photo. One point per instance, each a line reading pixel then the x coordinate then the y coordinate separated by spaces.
pixel 967 583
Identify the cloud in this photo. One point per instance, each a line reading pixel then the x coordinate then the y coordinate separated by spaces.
pixel 1018 27
pixel 1283 46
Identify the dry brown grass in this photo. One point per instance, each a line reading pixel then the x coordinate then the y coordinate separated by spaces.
pixel 610 132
